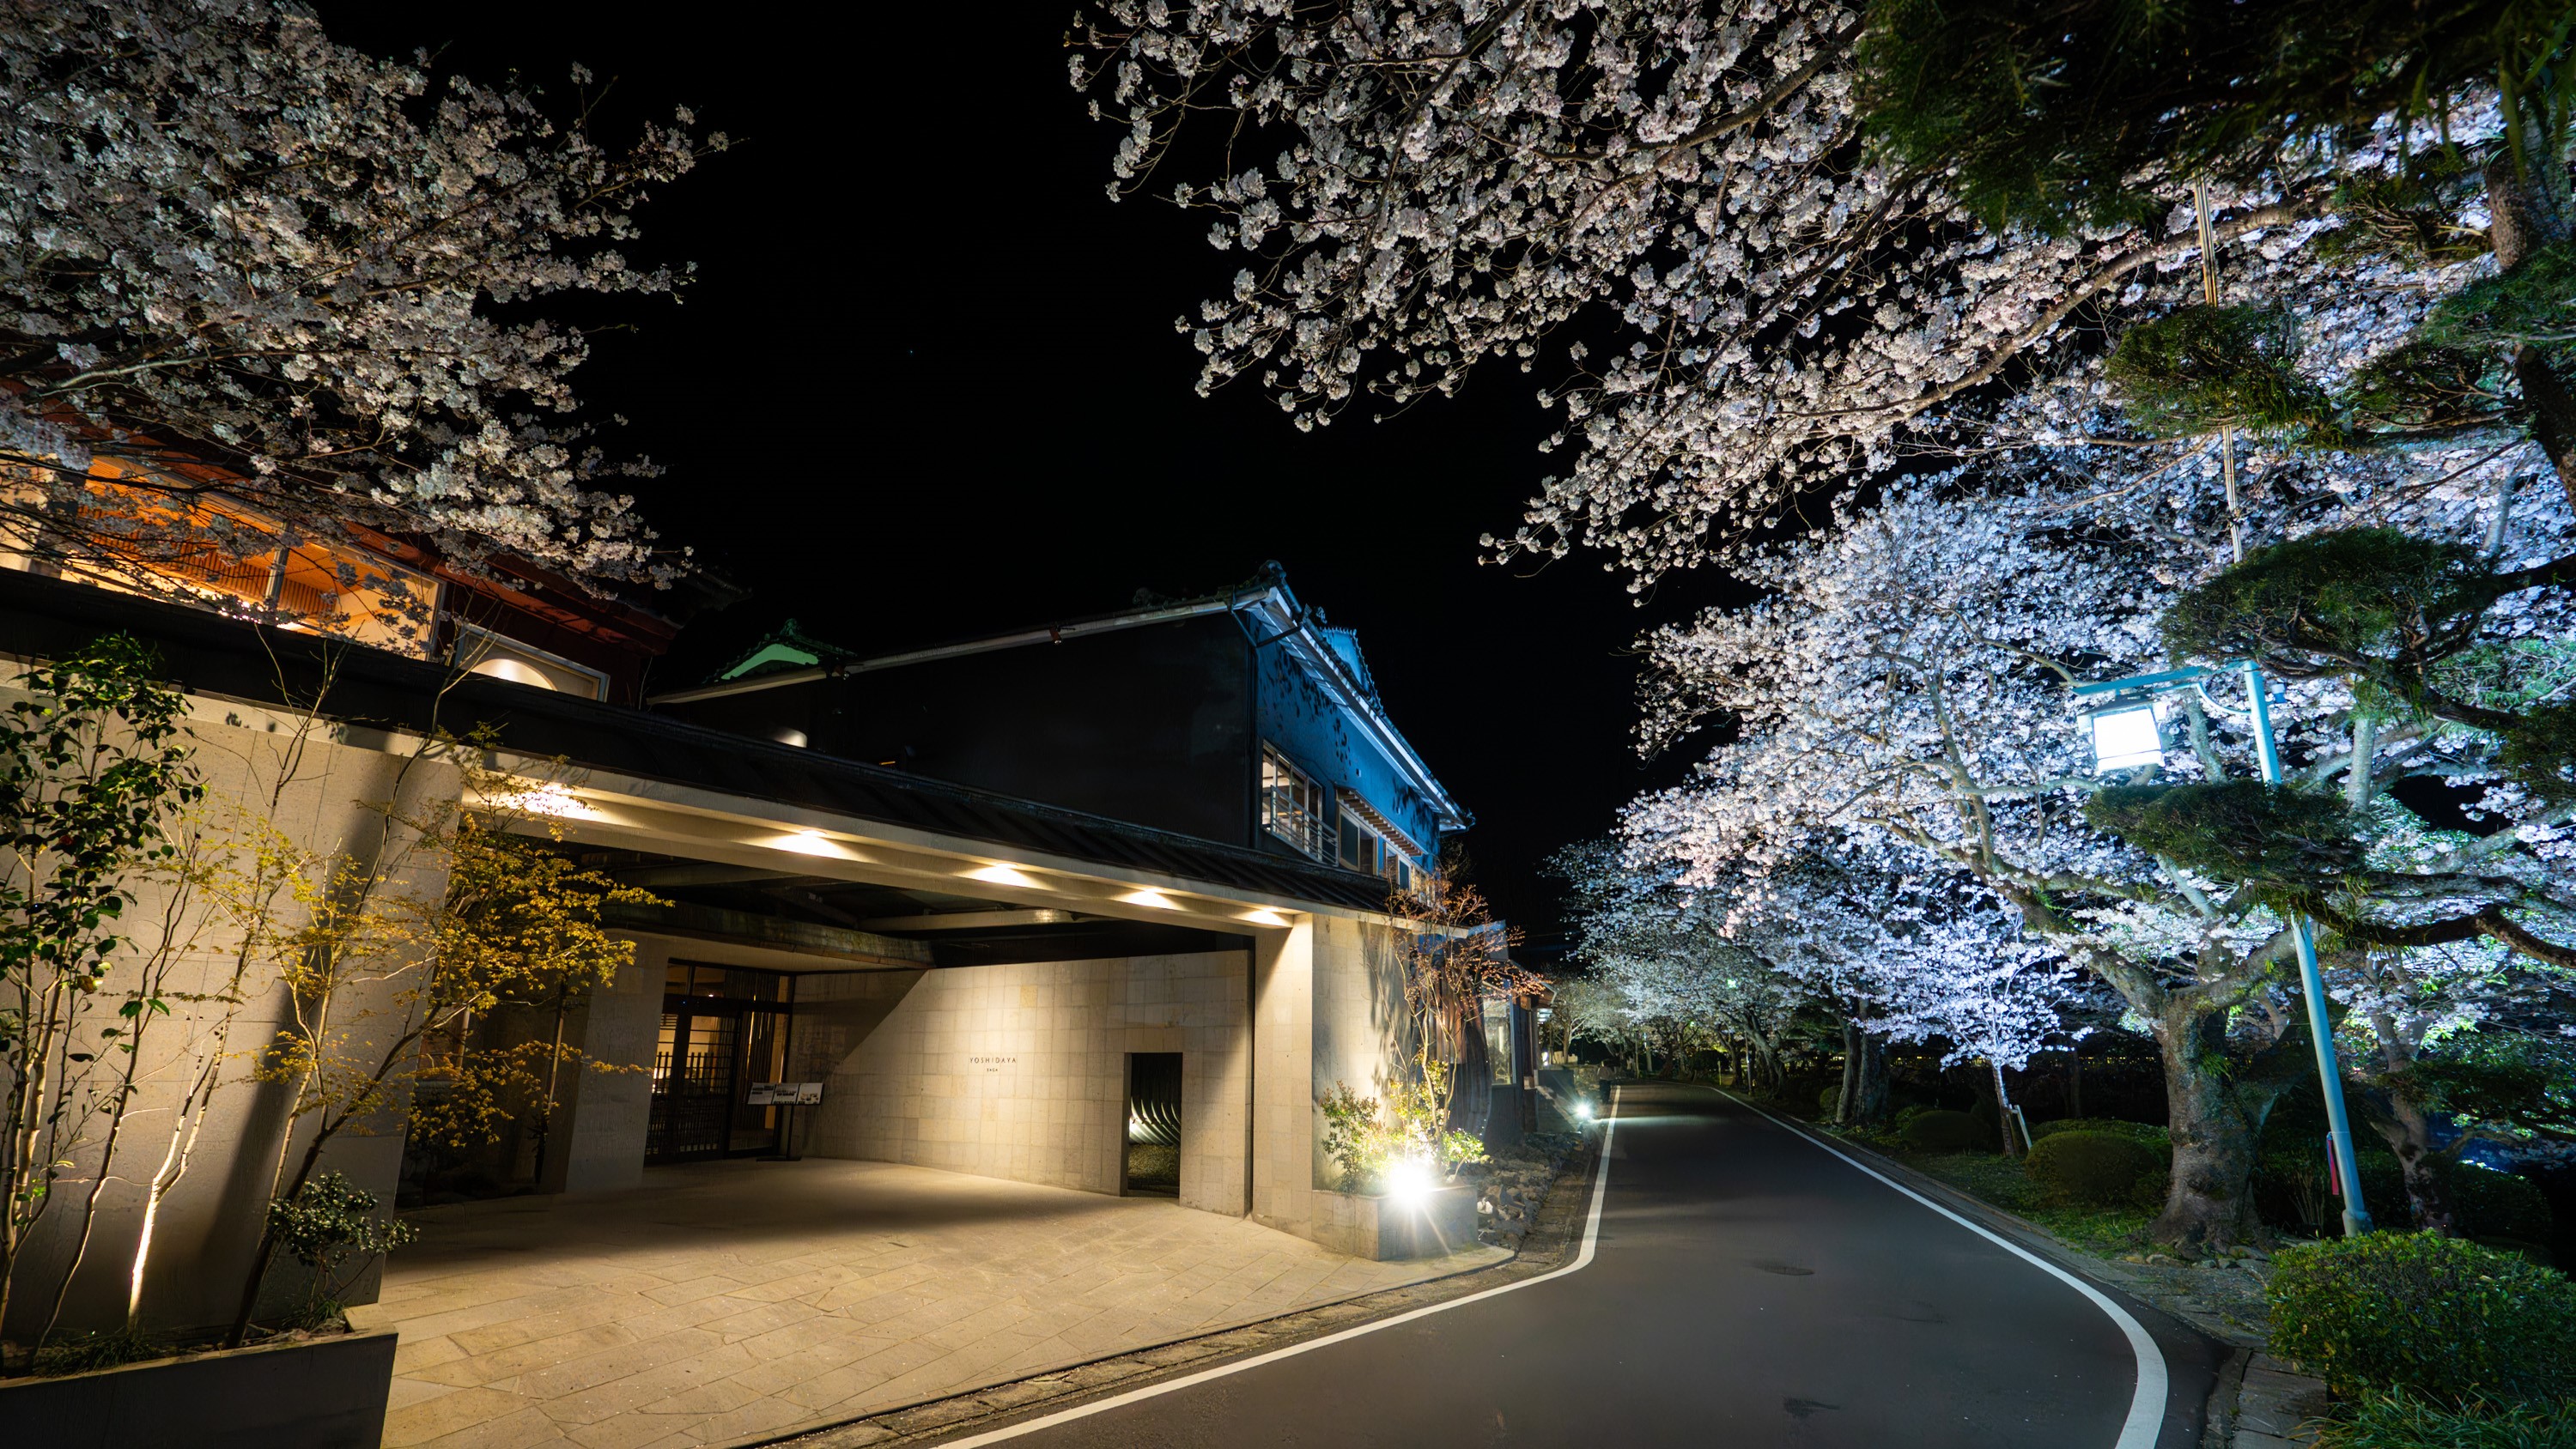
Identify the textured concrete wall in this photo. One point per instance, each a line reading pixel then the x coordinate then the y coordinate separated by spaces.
pixel 325 793
pixel 1020 1071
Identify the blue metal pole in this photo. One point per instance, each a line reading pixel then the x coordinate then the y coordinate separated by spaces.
pixel 2356 1218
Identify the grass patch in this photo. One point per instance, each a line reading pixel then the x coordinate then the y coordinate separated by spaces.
pixel 2401 1421
pixel 1992 1178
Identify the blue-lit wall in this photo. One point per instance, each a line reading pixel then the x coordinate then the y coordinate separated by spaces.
pixel 1310 725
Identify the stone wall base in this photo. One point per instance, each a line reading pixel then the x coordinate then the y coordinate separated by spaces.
pixel 1383 1229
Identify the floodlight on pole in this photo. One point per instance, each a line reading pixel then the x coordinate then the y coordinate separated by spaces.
pixel 2126 736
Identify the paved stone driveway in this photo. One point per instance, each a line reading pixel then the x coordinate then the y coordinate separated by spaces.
pixel 736 1299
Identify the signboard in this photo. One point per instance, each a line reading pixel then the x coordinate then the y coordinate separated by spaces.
pixel 785 1094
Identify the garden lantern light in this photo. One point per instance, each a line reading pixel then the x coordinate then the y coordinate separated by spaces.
pixel 2124 736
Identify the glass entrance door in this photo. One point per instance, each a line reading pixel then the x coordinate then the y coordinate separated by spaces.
pixel 723 1028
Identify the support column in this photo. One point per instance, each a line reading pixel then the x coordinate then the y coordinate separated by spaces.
pixel 1283 1131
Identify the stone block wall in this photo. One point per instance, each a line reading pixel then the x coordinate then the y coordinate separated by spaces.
pixel 326 789
pixel 1019 1071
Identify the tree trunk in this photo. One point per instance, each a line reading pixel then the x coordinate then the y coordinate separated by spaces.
pixel 2075 1080
pixel 2408 1131
pixel 1864 1094
pixel 2530 212
pixel 2209 1204
pixel 2003 1111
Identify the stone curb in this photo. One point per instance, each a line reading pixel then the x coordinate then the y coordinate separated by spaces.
pixel 1062 1386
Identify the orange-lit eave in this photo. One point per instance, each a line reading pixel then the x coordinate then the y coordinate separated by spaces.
pixel 608 620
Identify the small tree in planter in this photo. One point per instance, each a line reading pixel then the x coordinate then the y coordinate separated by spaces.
pixel 327 1221
pixel 93 765
pixel 386 985
pixel 1401 1142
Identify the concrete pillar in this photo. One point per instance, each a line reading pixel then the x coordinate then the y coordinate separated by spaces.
pixel 604 1117
pixel 1283 1134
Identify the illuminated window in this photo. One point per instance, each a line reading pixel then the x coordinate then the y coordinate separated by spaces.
pixel 1292 804
pixel 203 547
pixel 483 652
pixel 335 590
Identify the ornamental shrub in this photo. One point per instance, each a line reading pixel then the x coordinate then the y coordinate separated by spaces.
pixel 1830 1098
pixel 2426 1314
pixel 2403 1421
pixel 1940 1131
pixel 2485 1203
pixel 2233 829
pixel 2146 1132
pixel 2091 1169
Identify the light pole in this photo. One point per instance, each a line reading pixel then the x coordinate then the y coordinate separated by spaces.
pixel 2125 736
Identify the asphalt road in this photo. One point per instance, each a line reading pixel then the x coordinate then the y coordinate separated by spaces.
pixel 1746 1287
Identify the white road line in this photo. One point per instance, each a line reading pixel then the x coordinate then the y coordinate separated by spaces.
pixel 2147 1405
pixel 1582 1260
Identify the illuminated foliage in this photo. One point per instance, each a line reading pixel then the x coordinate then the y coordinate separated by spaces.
pixel 94 769
pixel 2198 369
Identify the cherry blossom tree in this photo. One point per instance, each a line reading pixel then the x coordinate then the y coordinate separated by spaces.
pixel 2015 403
pixel 1885 957
pixel 242 261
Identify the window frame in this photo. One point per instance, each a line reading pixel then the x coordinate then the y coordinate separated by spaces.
pixel 1301 824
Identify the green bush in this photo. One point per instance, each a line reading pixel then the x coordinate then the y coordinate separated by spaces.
pixel 1830 1098
pixel 1938 1131
pixel 2485 1203
pixel 2426 1314
pixel 2146 1132
pixel 2402 1421
pixel 2092 1169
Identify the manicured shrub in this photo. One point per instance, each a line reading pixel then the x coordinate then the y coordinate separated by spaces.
pixel 2487 1203
pixel 2403 1421
pixel 2146 1132
pixel 1830 1098
pixel 2092 1169
pixel 2431 1315
pixel 1939 1131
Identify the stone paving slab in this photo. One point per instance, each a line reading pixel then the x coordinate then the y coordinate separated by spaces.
pixel 726 1300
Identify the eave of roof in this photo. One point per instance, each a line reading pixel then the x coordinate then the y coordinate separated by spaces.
pixel 1271 614
pixel 209 654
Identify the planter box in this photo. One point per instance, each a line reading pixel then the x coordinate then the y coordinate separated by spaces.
pixel 328 1393
pixel 1428 1225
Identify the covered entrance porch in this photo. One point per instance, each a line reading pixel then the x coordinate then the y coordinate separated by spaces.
pixel 726 1299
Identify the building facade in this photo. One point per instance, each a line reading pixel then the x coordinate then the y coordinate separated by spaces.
pixel 1121 981
pixel 1240 718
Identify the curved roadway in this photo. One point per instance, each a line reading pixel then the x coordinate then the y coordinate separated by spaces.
pixel 1745 1286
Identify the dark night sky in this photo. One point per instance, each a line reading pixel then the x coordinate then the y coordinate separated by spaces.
pixel 927 385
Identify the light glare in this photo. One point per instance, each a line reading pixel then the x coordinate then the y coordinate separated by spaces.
pixel 1408 1177
pixel 2125 738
